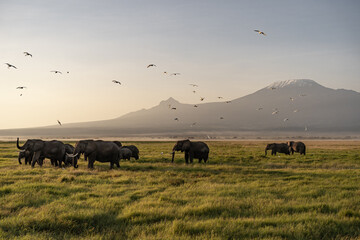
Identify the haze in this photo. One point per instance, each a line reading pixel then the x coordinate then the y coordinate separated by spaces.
pixel 211 43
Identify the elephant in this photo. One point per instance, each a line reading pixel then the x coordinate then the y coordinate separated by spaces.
pixel 54 150
pixel 199 150
pixel 277 148
pixel 102 151
pixel 125 153
pixel 297 147
pixel 28 157
pixel 70 160
pixel 134 151
pixel 118 143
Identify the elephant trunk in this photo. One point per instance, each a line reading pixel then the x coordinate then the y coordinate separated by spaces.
pixel 74 162
pixel 19 159
pixel 17 144
pixel 173 155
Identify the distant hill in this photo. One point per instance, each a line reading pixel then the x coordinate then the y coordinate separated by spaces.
pixel 285 106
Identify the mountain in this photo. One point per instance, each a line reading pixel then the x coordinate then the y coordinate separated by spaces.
pixel 284 106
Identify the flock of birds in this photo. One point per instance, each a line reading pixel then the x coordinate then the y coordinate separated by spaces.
pixel 152 65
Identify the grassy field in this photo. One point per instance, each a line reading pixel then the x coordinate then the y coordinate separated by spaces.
pixel 238 194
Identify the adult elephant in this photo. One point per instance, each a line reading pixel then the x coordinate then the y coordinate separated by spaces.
pixel 199 150
pixel 69 149
pixel 134 151
pixel 277 148
pixel 297 147
pixel 54 150
pixel 102 151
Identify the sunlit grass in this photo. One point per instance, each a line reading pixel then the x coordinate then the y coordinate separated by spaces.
pixel 238 194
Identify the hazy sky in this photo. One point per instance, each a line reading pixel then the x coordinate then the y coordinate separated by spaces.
pixel 211 43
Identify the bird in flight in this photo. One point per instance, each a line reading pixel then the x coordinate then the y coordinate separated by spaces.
pixel 220 97
pixel 260 32
pixel 221 118
pixel 151 65
pixel 59 122
pixel 27 54
pixel 228 102
pixel 176 119
pixel 275 112
pixel 273 88
pixel 193 124
pixel 20 87
pixel 114 81
pixel 260 108
pixel 194 91
pixel 165 72
pixel 302 95
pixel 286 119
pixel 306 128
pixel 295 110
pixel 292 99
pixel 174 108
pixel 194 85
pixel 55 71
pixel 202 99
pixel 174 74
pixel 10 66
pixel 195 105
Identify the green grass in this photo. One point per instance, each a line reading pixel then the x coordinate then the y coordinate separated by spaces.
pixel 238 194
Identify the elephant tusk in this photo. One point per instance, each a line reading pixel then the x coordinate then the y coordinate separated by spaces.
pixel 71 155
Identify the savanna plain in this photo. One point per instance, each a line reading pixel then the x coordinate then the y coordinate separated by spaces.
pixel 239 194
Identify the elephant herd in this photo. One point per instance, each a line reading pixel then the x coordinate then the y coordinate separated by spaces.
pixel 36 150
pixel 287 148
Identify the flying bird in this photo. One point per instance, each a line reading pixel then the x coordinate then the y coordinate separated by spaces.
pixel 306 128
pixel 292 99
pixel 296 111
pixel 176 119
pixel 260 32
pixel 221 118
pixel 20 95
pixel 220 97
pixel 174 108
pixel 202 99
pixel 228 102
pixel 260 108
pixel 193 124
pixel 55 71
pixel 151 65
pixel 194 85
pixel 273 88
pixel 286 119
pixel 275 112
pixel 174 74
pixel 195 105
pixel 10 66
pixel 27 54
pixel 302 95
pixel 59 122
pixel 165 72
pixel 20 87
pixel 67 72
pixel 117 82
pixel 194 91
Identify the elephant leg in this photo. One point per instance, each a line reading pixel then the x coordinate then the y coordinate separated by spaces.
pixel 191 157
pixel 200 160
pixel 111 165
pixel 91 160
pixel 35 158
pixel 186 157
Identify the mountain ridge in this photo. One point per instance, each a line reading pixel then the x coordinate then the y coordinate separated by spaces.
pixel 291 105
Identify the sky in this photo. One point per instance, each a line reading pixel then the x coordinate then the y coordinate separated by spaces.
pixel 211 43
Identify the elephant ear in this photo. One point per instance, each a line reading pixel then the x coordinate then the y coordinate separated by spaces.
pixel 186 145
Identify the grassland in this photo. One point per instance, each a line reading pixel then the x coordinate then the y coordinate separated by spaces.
pixel 239 194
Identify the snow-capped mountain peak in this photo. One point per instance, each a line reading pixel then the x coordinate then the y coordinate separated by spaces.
pixel 293 82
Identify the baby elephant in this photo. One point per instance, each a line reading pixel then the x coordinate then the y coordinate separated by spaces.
pixel 297 147
pixel 125 153
pixel 277 148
